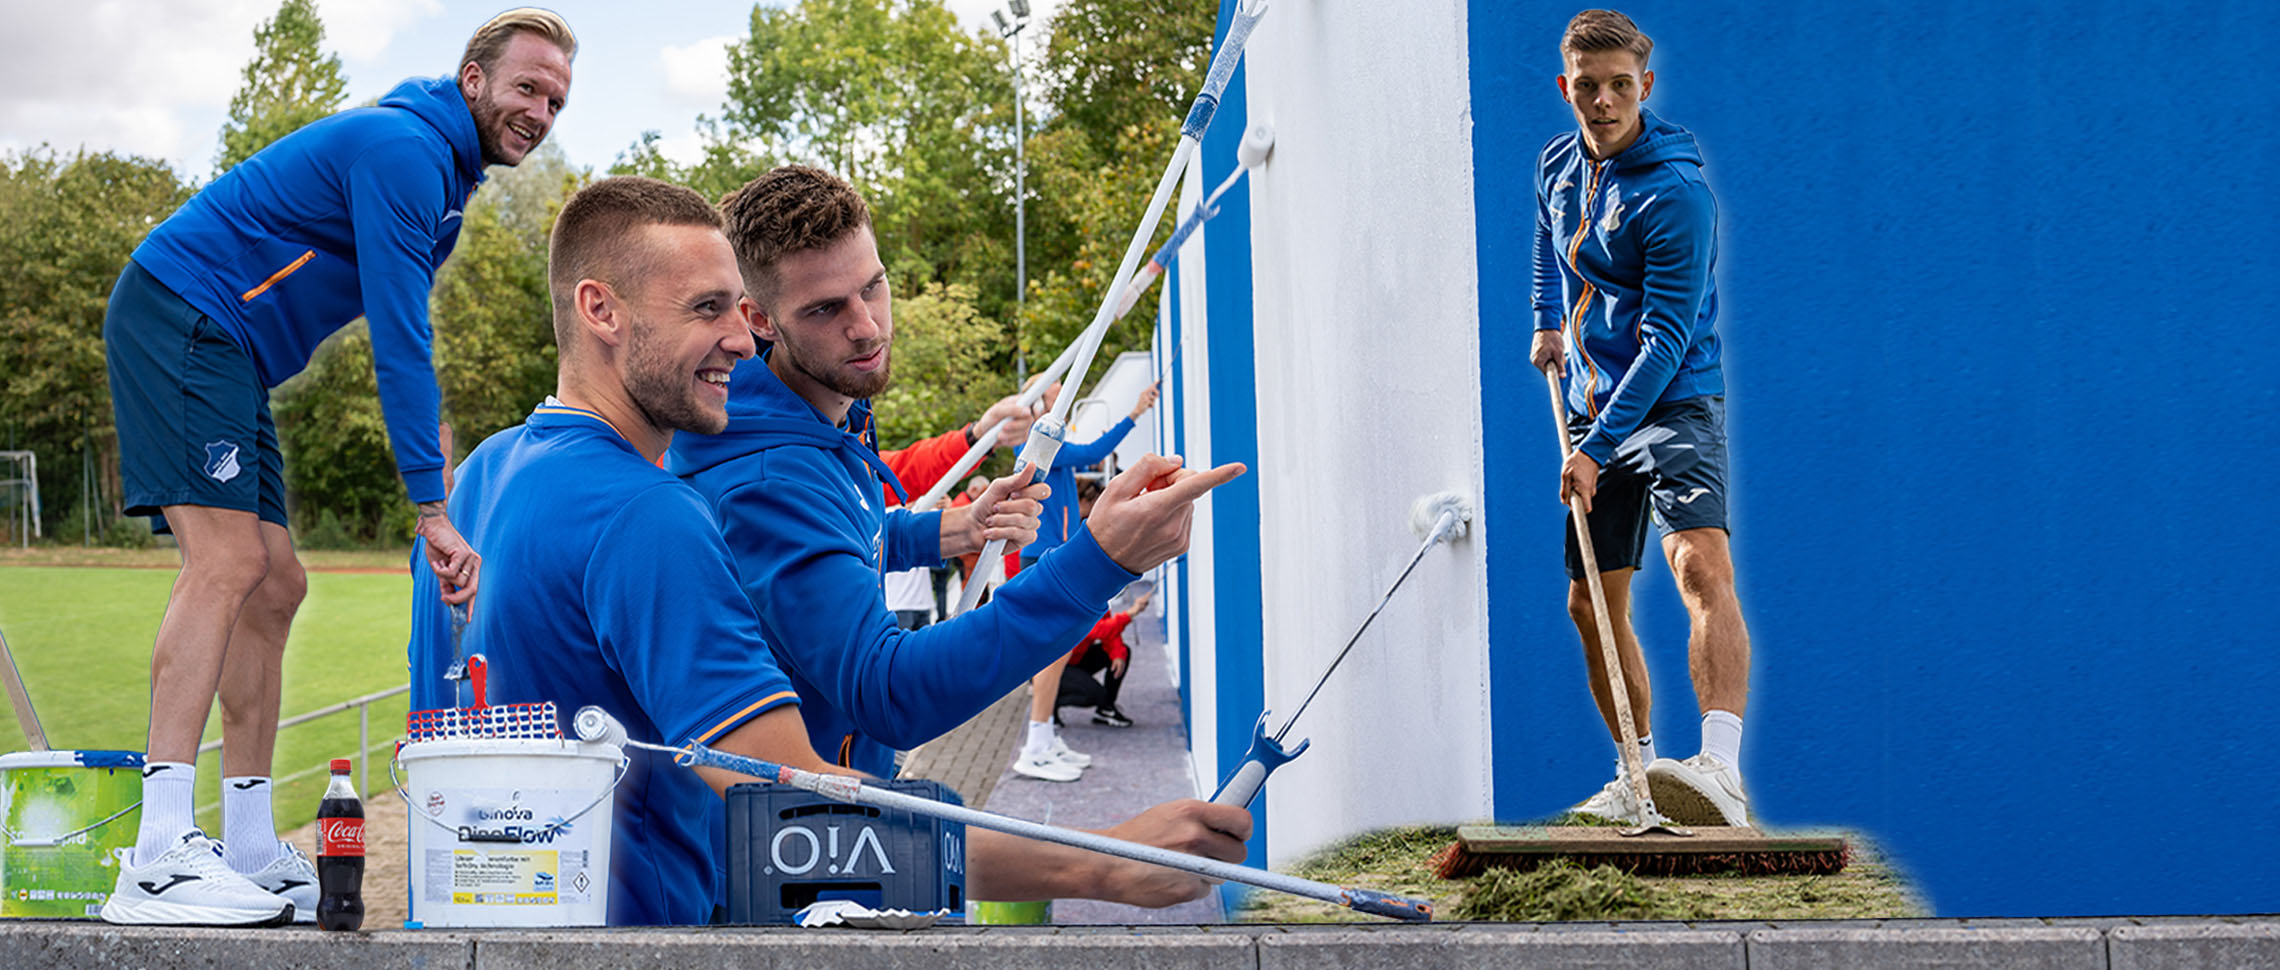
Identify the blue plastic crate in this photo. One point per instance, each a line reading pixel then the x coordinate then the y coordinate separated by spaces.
pixel 788 848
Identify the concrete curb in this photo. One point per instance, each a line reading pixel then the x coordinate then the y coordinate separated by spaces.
pixel 2107 943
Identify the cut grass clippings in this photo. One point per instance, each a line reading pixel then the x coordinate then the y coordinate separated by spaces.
pixel 1400 860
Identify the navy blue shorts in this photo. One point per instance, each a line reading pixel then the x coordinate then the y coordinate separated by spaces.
pixel 1673 466
pixel 194 425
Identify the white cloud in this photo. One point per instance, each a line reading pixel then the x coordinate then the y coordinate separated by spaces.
pixel 698 72
pixel 361 29
pixel 120 75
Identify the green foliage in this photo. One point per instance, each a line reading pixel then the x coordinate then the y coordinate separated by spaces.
pixel 1119 95
pixel 67 225
pixel 290 82
pixel 951 348
pixel 495 355
pixel 335 441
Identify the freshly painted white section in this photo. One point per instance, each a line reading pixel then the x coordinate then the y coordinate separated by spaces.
pixel 1368 391
pixel 1190 370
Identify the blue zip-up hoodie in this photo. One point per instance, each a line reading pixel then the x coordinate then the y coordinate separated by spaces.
pixel 797 499
pixel 1626 250
pixel 349 216
pixel 1060 519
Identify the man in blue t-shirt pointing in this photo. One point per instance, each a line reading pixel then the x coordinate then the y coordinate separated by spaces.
pixel 347 217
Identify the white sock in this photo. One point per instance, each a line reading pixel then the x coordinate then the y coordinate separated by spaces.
pixel 248 833
pixel 1040 739
pixel 1722 737
pixel 1647 749
pixel 166 805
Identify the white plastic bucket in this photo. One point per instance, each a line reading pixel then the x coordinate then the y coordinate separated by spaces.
pixel 509 832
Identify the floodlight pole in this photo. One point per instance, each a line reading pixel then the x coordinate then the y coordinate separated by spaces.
pixel 1012 31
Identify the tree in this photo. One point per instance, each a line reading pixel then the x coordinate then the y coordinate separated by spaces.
pixel 946 366
pixel 495 355
pixel 66 228
pixel 289 83
pixel 1119 96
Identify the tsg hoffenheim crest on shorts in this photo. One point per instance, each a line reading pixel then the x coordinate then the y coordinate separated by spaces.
pixel 221 460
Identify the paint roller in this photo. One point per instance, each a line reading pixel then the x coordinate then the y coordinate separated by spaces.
pixel 594 725
pixel 1439 517
pixel 1123 293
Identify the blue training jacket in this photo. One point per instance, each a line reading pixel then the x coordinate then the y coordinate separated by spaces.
pixel 1060 519
pixel 798 500
pixel 1626 250
pixel 349 216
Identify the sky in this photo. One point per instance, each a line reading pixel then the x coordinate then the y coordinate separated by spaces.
pixel 154 77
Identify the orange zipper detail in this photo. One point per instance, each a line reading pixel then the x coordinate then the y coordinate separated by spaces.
pixel 276 276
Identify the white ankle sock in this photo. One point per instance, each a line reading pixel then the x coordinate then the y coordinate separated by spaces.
pixel 1040 738
pixel 1647 750
pixel 166 804
pixel 248 831
pixel 1722 737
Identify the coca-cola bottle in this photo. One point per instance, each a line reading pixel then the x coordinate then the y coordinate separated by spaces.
pixel 340 853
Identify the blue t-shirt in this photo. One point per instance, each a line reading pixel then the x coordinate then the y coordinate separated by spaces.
pixel 605 582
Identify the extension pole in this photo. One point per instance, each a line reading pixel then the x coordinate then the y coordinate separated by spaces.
pixel 1633 770
pixel 851 790
pixel 1191 140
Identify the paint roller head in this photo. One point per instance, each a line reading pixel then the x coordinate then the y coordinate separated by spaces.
pixel 595 726
pixel 1258 143
pixel 1441 515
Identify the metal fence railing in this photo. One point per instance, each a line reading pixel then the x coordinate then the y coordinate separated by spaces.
pixel 362 706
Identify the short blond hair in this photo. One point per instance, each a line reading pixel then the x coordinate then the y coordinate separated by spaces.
pixel 491 39
pixel 1605 30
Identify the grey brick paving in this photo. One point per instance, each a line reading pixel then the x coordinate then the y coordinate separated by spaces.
pixel 970 757
pixel 2123 943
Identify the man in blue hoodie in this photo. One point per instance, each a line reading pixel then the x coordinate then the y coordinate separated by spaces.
pixel 795 485
pixel 1626 305
pixel 347 217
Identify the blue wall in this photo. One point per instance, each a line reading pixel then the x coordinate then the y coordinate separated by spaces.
pixel 1997 304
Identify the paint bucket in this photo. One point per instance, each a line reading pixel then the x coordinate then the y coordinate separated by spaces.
pixel 984 912
pixel 509 831
pixel 63 815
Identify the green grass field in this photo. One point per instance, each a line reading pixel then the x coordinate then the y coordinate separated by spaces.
pixel 82 637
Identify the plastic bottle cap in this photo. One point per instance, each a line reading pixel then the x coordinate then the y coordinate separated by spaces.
pixel 340 765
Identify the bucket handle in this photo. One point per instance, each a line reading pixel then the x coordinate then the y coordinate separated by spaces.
pixel 624 767
pixel 51 841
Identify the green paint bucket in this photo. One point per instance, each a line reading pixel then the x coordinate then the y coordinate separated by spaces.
pixel 982 912
pixel 63 815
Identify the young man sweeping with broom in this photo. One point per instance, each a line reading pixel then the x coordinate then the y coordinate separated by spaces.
pixel 1626 307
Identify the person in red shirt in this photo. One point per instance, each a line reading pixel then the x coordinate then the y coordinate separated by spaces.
pixel 1103 652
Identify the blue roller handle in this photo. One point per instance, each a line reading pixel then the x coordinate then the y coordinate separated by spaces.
pixel 1386 904
pixel 1265 756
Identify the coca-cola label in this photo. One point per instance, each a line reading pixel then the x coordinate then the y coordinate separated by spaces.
pixel 342 836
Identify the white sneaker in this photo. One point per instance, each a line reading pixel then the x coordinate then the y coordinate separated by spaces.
pixel 1701 790
pixel 1060 752
pixel 1044 767
pixel 190 885
pixel 1615 802
pixel 293 877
